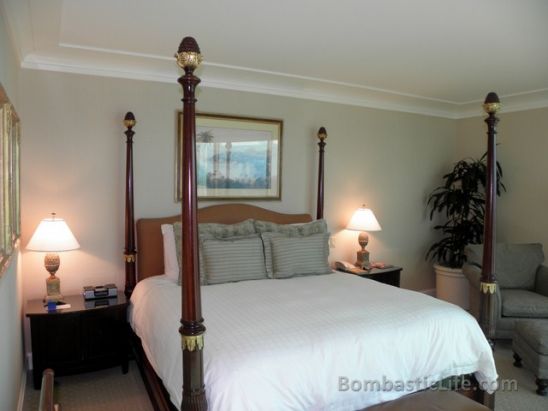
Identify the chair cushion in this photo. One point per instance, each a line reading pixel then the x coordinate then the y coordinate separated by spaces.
pixel 515 264
pixel 430 400
pixel 523 303
pixel 535 333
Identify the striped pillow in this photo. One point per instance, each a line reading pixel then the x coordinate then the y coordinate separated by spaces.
pixel 233 260
pixel 269 230
pixel 292 230
pixel 177 231
pixel 223 231
pixel 293 256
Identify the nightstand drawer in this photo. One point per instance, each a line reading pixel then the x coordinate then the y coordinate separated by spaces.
pixel 103 330
pixel 58 341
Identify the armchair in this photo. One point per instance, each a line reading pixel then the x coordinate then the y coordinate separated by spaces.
pixel 522 291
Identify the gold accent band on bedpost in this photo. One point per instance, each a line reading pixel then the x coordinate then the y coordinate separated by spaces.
pixel 129 258
pixel 488 288
pixel 191 342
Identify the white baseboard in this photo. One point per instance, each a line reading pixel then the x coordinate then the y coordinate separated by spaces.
pixel 22 389
pixel 429 291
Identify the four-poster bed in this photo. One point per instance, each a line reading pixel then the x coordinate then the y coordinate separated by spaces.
pixel 336 329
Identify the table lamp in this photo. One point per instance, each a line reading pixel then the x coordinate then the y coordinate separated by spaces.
pixel 363 220
pixel 52 236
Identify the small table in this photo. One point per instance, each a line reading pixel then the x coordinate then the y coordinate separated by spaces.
pixel 90 335
pixel 388 275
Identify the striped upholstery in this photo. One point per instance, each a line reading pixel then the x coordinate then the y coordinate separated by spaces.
pixel 208 231
pixel 299 255
pixel 177 232
pixel 233 260
pixel 267 247
pixel 292 230
pixel 270 230
pixel 225 231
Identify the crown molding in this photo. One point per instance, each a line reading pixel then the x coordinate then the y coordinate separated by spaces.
pixel 530 100
pixel 254 81
pixel 160 69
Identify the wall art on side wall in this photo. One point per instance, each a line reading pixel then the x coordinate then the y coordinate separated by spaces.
pixel 10 214
pixel 236 158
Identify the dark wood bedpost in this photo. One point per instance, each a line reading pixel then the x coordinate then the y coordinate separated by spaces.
pixel 488 278
pixel 488 286
pixel 129 251
pixel 192 330
pixel 322 136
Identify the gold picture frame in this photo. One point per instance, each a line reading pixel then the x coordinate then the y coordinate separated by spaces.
pixel 10 210
pixel 237 158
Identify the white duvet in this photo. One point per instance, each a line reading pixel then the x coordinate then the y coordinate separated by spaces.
pixel 330 342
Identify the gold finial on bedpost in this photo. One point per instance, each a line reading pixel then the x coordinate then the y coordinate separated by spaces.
pixel 129 120
pixel 492 103
pixel 322 133
pixel 188 55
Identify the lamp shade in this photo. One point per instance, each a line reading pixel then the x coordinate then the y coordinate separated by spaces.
pixel 53 235
pixel 363 219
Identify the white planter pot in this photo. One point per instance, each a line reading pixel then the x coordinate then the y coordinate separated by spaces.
pixel 452 286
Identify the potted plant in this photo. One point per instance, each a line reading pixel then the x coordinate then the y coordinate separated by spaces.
pixel 461 202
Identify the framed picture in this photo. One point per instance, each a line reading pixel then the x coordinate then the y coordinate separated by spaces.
pixel 237 158
pixel 10 221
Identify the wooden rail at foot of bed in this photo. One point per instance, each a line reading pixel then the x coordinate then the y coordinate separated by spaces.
pixel 192 329
pixel 46 393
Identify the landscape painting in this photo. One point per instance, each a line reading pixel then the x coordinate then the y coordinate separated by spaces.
pixel 237 157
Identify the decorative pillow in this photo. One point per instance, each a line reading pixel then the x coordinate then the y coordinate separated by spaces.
pixel 293 256
pixel 233 260
pixel 292 230
pixel 171 265
pixel 178 233
pixel 270 230
pixel 224 231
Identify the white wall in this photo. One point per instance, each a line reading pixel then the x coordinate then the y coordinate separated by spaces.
pixel 522 152
pixel 11 353
pixel 73 164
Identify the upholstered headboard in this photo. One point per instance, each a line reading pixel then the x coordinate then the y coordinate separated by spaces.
pixel 150 249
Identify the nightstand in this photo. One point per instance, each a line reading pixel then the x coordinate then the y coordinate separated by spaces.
pixel 90 335
pixel 389 275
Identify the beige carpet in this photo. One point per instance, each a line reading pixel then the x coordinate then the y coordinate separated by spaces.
pixel 106 390
pixel 524 398
pixel 110 390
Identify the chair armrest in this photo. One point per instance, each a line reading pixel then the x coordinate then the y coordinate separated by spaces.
pixel 473 274
pixel 541 286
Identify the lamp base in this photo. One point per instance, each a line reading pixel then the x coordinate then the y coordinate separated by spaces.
pixel 53 298
pixel 362 260
pixel 53 289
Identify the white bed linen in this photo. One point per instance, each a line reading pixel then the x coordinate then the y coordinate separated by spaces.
pixel 283 344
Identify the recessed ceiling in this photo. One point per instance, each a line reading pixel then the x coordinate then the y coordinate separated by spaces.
pixel 425 56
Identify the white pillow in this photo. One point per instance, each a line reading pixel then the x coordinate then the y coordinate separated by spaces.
pixel 171 266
